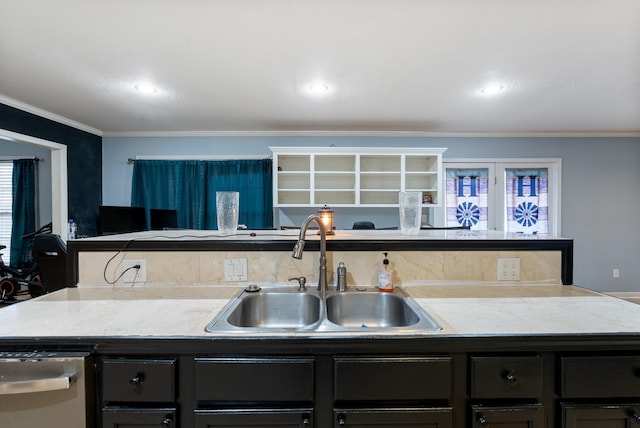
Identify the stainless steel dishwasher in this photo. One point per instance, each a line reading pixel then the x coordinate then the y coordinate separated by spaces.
pixel 46 390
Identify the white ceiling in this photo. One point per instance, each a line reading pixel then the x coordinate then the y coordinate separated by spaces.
pixel 244 66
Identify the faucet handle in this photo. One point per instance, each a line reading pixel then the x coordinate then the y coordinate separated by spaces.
pixel 302 281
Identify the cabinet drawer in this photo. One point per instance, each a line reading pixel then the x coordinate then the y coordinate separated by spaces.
pixel 254 379
pixel 530 416
pixel 435 417
pixel 139 418
pixel 600 415
pixel 506 377
pixel 607 377
pixel 252 418
pixel 363 379
pixel 138 380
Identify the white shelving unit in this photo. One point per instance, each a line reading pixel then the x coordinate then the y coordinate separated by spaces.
pixel 355 176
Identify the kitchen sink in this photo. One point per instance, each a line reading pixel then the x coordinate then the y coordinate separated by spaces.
pixel 276 310
pixel 288 310
pixel 377 310
pixel 284 309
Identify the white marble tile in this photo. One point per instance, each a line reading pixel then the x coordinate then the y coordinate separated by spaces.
pixel 536 315
pixel 184 312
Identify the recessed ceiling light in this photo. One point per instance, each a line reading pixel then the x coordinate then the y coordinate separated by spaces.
pixel 146 88
pixel 318 88
pixel 492 89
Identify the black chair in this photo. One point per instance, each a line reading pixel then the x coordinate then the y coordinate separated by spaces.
pixel 363 225
pixel 50 253
pixel 163 219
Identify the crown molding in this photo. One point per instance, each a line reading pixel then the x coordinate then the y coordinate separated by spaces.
pixel 407 134
pixel 48 115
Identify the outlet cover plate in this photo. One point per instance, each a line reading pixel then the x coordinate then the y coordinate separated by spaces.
pixel 136 276
pixel 235 269
pixel 508 269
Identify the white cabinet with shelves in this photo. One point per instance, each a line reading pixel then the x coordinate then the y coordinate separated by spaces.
pixel 355 176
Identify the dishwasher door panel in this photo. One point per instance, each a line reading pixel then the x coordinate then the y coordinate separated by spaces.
pixel 44 390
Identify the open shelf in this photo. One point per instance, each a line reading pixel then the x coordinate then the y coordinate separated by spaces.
pixel 356 176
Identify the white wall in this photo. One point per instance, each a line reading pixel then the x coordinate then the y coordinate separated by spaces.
pixel 599 206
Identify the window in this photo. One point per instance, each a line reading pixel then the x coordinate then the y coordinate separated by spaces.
pixel 520 196
pixel 6 172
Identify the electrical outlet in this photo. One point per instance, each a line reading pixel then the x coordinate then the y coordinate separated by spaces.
pixel 235 269
pixel 509 269
pixel 134 275
pixel 616 273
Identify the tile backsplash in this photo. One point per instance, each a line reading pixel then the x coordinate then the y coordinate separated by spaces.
pixel 186 268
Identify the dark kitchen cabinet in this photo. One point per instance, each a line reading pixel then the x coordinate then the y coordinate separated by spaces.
pixel 514 416
pixel 250 418
pixel 259 391
pixel 600 415
pixel 411 391
pixel 506 377
pixel 506 391
pixel 393 418
pixel 225 380
pixel 323 388
pixel 608 388
pixel 114 417
pixel 138 380
pixel 600 376
pixel 396 378
pixel 138 393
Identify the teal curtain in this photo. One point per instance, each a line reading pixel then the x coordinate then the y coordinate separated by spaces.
pixel 23 209
pixel 190 188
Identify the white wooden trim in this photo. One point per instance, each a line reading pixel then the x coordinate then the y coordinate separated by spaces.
pixel 59 190
pixel 363 133
pixel 48 115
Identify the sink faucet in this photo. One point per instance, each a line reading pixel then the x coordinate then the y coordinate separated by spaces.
pixel 299 247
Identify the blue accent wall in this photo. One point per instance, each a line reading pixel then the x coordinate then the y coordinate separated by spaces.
pixel 84 161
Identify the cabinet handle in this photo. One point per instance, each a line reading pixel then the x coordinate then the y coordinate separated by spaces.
pixel 482 421
pixel 305 421
pixel 636 417
pixel 342 420
pixel 137 380
pixel 509 377
pixel 168 422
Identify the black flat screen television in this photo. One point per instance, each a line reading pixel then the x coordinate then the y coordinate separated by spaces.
pixel 114 219
pixel 163 219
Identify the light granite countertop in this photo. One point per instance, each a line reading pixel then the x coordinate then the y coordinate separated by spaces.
pixel 463 310
pixel 341 234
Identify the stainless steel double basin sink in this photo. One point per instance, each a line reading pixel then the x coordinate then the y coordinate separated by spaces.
pixel 286 309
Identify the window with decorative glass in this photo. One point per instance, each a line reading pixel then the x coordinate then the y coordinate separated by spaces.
pixel 519 196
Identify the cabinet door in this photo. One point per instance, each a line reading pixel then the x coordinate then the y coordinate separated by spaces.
pixel 440 417
pixel 226 380
pixel 600 416
pixel 392 378
pixel 133 380
pixel 506 377
pixel 593 377
pixel 531 416
pixel 262 418
pixel 139 418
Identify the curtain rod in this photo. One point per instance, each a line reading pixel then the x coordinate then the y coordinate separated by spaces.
pixel 11 159
pixel 130 161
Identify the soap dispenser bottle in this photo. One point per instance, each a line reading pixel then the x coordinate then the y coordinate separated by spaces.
pixel 385 276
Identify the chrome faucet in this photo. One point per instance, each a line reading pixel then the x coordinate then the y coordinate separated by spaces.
pixel 299 247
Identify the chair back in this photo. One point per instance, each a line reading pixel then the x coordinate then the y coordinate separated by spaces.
pixel 50 253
